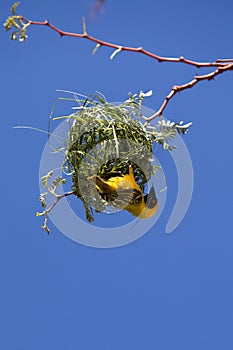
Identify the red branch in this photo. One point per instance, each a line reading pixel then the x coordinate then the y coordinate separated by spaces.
pixel 188 85
pixel 221 64
pixel 85 35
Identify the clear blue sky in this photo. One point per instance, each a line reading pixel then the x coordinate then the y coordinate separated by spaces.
pixel 162 291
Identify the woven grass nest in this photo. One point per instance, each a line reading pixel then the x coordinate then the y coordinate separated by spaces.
pixel 107 139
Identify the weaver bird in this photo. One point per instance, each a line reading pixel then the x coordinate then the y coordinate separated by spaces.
pixel 123 192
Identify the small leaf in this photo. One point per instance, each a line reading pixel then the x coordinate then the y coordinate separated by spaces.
pixel 45 179
pixel 14 36
pixel 42 199
pixel 14 6
pixel 146 94
pixel 57 182
pixel 182 129
pixel 40 214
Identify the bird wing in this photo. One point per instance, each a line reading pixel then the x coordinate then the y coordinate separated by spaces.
pixel 118 191
pixel 122 197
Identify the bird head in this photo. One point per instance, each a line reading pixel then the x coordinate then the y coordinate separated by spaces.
pixel 151 205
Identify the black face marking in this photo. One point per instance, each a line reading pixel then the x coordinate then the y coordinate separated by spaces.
pixel 151 199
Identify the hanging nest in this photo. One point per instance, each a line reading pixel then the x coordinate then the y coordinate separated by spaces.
pixel 105 140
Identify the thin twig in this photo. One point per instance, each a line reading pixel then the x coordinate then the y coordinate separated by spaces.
pixel 181 59
pixel 224 64
pixel 190 84
pixel 225 60
pixel 47 211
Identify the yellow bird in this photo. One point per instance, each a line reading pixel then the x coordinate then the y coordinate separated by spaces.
pixel 123 192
